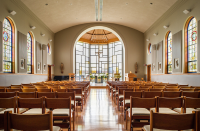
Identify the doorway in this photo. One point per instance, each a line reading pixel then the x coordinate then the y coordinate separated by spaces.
pixel 149 72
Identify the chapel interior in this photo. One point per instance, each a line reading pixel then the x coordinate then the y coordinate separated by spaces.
pixel 105 65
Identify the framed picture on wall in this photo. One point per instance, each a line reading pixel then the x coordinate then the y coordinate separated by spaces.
pixel 38 66
pixel 22 64
pixel 176 63
pixel 159 66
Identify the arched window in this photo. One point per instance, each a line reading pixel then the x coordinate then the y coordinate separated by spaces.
pixel 29 52
pixel 191 45
pixel 169 52
pixel 8 45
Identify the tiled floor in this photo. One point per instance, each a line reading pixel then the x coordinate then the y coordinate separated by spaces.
pixel 99 114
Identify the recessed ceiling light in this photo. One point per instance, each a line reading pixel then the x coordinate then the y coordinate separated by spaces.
pixel 46 4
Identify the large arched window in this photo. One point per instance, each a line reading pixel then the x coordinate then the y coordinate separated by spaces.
pixel 8 45
pixel 29 52
pixel 169 52
pixel 191 45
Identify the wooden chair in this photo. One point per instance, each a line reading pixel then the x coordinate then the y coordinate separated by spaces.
pixel 138 111
pixel 165 105
pixel 171 94
pixel 189 105
pixel 29 90
pixel 3 87
pixel 46 94
pixel 196 88
pixel 9 103
pixel 156 89
pixel 31 122
pixel 15 86
pixel 126 102
pixel 173 121
pixel 65 87
pixel 3 90
pixel 35 105
pixel 28 87
pixel 188 89
pixel 7 94
pixel 26 94
pixel 142 89
pixel 58 90
pixel 78 96
pixel 172 89
pixel 68 95
pixel 146 87
pixel 152 94
pixel 3 121
pixel 61 111
pixel 41 87
pixel 120 97
pixel 195 94
pixel 43 90
pixel 14 90
pixel 158 86
pixel 183 87
pixel 53 87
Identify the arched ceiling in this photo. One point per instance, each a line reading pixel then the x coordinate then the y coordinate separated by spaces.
pixel 61 14
pixel 98 36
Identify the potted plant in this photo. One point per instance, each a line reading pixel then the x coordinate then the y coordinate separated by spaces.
pixel 117 76
pixel 99 78
pixel 91 77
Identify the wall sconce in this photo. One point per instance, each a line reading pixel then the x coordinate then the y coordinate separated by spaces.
pixel 12 12
pixel 186 11
pixel 42 34
pixel 165 26
pixel 155 34
pixel 147 39
pixel 50 40
pixel 32 27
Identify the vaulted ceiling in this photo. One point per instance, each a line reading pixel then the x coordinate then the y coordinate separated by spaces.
pixel 61 14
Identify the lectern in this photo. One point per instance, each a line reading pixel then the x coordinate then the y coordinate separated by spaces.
pixel 131 76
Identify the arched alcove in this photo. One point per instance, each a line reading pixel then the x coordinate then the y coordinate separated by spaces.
pixel 104 28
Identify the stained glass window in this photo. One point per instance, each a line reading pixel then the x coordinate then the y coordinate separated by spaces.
pixel 192 45
pixel 169 53
pixel 7 46
pixel 29 53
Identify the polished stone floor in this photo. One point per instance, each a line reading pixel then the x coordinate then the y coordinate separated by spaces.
pixel 99 113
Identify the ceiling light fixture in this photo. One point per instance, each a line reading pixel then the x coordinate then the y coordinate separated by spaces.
pixel 165 26
pixel 12 12
pixel 147 39
pixel 96 9
pixel 42 34
pixel 32 27
pixel 186 11
pixel 101 10
pixel 155 34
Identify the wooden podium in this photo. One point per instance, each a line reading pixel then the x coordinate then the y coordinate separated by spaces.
pixel 71 77
pixel 131 76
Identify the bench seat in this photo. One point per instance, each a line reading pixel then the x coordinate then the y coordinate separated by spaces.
pixel 165 111
pixel 35 111
pixel 139 111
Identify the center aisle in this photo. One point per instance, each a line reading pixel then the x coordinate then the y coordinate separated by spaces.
pixel 99 114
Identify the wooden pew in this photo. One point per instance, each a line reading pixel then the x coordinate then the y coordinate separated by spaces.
pixel 31 122
pixel 29 90
pixel 58 90
pixel 172 89
pixel 195 94
pixel 8 104
pixel 78 96
pixel 61 111
pixel 13 90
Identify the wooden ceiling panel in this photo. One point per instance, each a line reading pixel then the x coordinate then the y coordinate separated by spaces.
pixel 98 36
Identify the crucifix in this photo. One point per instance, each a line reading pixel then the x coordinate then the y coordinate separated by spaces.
pixel 98 54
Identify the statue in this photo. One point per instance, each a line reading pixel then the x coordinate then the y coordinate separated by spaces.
pixel 61 67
